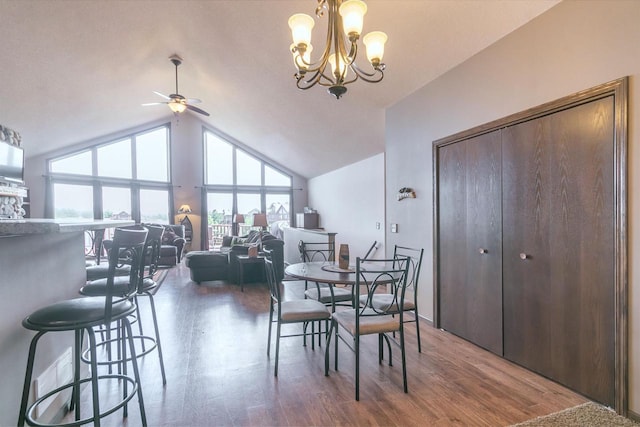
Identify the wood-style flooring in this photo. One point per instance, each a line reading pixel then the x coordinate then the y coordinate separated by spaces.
pixel 214 339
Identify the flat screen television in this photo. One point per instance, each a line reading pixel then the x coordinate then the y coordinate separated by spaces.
pixel 11 163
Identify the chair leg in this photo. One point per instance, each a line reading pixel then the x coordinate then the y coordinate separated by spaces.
pixel 270 324
pixel 335 356
pixel 415 313
pixel 135 298
pixel 75 395
pixel 136 371
pixel 404 361
pixel 386 338
pixel 357 350
pixel 27 379
pixel 94 376
pixel 326 351
pixel 155 326
pixel 122 336
pixel 380 349
pixel 277 348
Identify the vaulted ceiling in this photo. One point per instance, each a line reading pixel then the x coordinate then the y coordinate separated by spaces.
pixel 74 70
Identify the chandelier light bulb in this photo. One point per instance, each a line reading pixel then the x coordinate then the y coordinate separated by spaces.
pixel 301 26
pixel 374 41
pixel 352 12
pixel 342 71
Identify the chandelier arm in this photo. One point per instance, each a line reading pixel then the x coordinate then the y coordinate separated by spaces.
pixel 368 77
pixel 322 4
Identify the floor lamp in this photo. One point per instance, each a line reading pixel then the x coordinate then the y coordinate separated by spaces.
pixel 237 220
pixel 260 220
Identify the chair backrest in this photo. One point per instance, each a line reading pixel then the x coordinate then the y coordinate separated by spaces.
pixel 127 248
pixel 152 248
pixel 376 274
pixel 371 249
pixel 274 285
pixel 312 252
pixel 415 262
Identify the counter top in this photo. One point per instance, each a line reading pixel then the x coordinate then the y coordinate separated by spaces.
pixel 18 227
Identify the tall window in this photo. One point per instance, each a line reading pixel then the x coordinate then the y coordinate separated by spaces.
pixel 239 183
pixel 129 177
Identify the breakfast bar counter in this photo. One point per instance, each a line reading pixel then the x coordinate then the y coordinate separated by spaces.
pixel 41 262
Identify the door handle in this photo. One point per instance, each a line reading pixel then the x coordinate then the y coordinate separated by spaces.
pixel 524 256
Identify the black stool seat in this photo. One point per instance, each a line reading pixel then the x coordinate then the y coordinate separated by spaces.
pixel 120 286
pixel 100 271
pixel 75 313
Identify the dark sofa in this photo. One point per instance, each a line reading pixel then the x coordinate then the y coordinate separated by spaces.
pixel 223 265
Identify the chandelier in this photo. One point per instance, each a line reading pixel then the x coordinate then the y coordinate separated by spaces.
pixel 345 23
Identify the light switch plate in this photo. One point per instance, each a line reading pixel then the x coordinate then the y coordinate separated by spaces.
pixel 394 228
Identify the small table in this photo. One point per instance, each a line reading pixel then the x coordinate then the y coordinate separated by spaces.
pixel 244 260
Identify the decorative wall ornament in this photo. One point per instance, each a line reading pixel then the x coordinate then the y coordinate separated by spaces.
pixel 406 193
pixel 10 136
pixel 11 199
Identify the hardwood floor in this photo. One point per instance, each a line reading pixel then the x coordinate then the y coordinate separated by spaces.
pixel 218 373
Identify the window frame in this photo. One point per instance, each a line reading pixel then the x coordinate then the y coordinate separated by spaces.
pixel 97 181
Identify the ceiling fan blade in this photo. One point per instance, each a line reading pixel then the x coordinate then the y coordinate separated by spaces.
pixel 193 101
pixel 197 110
pixel 153 103
pixel 162 96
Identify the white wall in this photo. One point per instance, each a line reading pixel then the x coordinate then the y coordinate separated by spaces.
pixel 571 47
pixel 350 201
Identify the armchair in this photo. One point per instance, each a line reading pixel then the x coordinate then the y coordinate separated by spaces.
pixel 173 241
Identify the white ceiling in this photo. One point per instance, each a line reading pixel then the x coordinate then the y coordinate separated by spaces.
pixel 74 70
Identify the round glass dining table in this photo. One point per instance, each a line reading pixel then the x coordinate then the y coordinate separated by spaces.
pixel 326 272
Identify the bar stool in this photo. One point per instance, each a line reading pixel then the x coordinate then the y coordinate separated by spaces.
pixel 144 285
pixel 83 314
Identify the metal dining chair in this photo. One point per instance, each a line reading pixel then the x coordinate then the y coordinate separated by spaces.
pixel 303 311
pixel 328 294
pixel 350 325
pixel 411 301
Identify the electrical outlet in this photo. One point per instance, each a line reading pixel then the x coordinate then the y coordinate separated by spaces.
pixel 394 228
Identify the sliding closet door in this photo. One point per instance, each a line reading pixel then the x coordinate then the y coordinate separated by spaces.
pixel 559 254
pixel 471 240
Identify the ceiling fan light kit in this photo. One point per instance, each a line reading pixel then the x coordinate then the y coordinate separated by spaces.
pixel 345 22
pixel 176 102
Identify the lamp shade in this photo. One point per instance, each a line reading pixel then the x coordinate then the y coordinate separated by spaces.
pixel 374 41
pixel 238 218
pixel 260 220
pixel 352 12
pixel 184 209
pixel 301 26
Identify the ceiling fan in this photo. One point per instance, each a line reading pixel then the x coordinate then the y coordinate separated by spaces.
pixel 176 102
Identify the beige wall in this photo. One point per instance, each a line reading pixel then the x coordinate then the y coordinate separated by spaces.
pixel 572 47
pixel 350 202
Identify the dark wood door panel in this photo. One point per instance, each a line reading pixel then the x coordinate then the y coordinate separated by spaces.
pixel 483 296
pixel 526 214
pixel 452 236
pixel 558 211
pixel 582 242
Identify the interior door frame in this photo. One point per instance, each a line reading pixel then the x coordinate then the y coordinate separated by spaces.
pixel 619 90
